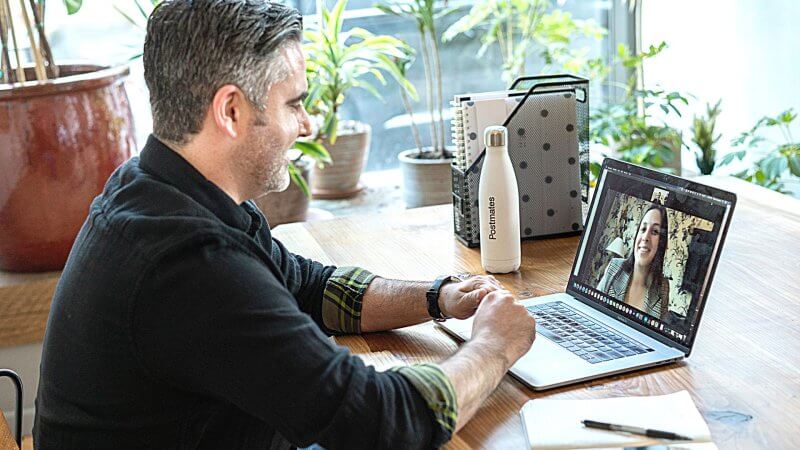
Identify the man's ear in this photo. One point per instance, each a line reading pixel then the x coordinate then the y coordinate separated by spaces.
pixel 227 110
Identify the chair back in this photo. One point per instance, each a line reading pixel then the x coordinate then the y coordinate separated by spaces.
pixel 6 441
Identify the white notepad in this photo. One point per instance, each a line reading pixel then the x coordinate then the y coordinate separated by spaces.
pixel 556 424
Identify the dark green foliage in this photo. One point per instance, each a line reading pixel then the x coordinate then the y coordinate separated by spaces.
pixel 781 160
pixel 704 138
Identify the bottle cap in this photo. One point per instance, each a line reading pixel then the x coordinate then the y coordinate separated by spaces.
pixel 495 136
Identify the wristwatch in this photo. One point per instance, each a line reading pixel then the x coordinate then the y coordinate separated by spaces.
pixel 433 297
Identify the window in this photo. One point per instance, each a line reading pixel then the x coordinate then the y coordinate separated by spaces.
pixel 99 33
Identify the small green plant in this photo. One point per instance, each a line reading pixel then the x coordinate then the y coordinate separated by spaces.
pixel 340 60
pixel 522 27
pixel 705 139
pixel 629 127
pixel 781 159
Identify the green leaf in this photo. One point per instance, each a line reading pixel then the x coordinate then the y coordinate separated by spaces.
pixel 128 18
pixel 141 10
pixel 315 151
pixel 298 179
pixel 794 165
pixel 773 166
pixel 727 159
pixel 73 6
pixel 786 117
pixel 476 16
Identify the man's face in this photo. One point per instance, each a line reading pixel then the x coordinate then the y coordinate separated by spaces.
pixel 272 132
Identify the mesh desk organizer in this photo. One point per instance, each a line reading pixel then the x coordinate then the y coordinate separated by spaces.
pixel 548 142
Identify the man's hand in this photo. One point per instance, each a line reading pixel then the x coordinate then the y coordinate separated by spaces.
pixel 460 300
pixel 505 325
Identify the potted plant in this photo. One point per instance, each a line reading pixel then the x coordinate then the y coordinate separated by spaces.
pixel 518 28
pixel 336 62
pixel 781 162
pixel 704 138
pixel 426 170
pixel 630 130
pixel 63 131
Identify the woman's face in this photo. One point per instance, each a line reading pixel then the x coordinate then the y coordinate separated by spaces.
pixel 647 237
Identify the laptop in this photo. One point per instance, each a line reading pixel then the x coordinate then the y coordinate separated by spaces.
pixel 641 225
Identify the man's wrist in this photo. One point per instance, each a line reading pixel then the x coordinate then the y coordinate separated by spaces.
pixel 440 300
pixel 433 297
pixel 491 348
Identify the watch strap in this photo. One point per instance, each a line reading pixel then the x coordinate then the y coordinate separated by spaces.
pixel 432 295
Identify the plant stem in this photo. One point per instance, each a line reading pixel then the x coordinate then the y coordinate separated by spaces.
pixel 440 106
pixel 428 84
pixel 10 22
pixel 38 18
pixel 787 133
pixel 510 32
pixel 5 60
pixel 41 74
pixel 410 111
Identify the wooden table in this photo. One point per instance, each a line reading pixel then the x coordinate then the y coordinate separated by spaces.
pixel 744 373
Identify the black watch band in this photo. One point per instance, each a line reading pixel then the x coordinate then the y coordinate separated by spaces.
pixel 432 295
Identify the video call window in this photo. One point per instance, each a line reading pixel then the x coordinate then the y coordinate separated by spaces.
pixel 650 248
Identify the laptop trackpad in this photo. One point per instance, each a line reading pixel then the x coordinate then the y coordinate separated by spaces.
pixel 545 351
pixel 545 364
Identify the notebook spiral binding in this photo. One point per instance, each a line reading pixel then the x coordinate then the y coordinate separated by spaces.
pixel 554 183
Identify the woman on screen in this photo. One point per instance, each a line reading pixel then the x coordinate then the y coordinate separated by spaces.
pixel 639 279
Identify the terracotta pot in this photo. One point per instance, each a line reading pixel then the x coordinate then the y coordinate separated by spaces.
pixel 425 181
pixel 288 206
pixel 340 179
pixel 59 142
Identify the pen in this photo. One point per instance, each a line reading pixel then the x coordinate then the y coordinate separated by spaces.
pixel 635 430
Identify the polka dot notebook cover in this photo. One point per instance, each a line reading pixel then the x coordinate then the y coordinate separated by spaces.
pixel 543 145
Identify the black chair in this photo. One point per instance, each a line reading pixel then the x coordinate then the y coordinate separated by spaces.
pixel 18 384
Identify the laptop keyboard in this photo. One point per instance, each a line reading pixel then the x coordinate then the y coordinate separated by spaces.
pixel 587 338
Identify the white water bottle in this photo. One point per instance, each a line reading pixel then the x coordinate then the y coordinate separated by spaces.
pixel 498 202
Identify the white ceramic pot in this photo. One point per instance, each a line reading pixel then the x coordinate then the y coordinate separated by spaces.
pixel 425 181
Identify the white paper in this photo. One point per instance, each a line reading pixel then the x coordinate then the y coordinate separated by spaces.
pixel 556 424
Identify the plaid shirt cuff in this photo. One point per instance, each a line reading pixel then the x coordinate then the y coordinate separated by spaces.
pixel 438 392
pixel 342 299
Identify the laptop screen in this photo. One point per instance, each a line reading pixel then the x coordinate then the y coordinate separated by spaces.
pixel 649 248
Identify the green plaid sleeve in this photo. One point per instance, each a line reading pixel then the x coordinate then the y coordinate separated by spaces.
pixel 438 392
pixel 342 299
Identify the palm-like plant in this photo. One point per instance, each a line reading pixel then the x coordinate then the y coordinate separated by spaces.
pixel 425 15
pixel 519 27
pixel 705 139
pixel 340 60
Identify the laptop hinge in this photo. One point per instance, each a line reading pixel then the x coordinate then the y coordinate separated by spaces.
pixel 629 322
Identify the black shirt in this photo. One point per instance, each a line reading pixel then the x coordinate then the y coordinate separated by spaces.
pixel 179 322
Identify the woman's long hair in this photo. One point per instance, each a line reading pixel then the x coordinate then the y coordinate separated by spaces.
pixel 657 264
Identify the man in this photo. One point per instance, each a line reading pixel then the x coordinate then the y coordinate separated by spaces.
pixel 179 322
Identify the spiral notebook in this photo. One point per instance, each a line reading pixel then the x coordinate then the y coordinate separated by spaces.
pixel 543 144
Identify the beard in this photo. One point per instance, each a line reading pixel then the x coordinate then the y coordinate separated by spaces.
pixel 263 161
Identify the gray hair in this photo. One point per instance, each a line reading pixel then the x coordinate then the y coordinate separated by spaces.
pixel 194 47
